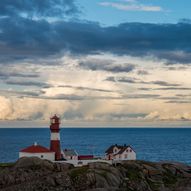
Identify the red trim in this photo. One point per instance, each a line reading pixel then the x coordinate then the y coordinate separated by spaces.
pixel 85 157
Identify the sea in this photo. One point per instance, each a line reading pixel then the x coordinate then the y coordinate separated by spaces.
pixel 151 144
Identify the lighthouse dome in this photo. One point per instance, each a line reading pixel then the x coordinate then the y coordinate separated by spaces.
pixel 55 119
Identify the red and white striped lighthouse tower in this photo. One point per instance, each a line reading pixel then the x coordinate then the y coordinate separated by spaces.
pixel 55 136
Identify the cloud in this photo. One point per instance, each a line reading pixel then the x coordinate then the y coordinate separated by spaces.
pixel 132 6
pixel 166 88
pixel 72 114
pixel 27 83
pixel 142 72
pixel 141 96
pixel 106 65
pixel 6 108
pixel 36 8
pixel 86 88
pixel 123 79
pixel 156 115
pixel 20 109
pixel 23 38
pixel 138 81
pixel 178 102
pixel 120 116
pixel 21 94
pixel 163 83
pixel 7 74
pixel 174 88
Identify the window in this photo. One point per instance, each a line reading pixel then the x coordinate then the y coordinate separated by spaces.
pixel 130 150
pixel 126 155
pixel 115 150
pixel 41 156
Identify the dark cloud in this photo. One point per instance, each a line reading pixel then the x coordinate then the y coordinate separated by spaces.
pixel 163 83
pixel 5 75
pixel 165 88
pixel 24 37
pixel 178 102
pixel 28 83
pixel 30 8
pixel 177 68
pixel 123 79
pixel 76 97
pixel 183 95
pixel 173 88
pixel 71 97
pixel 137 81
pixel 86 88
pixel 169 98
pixel 176 56
pixel 20 93
pixel 142 72
pixel 106 65
pixel 141 96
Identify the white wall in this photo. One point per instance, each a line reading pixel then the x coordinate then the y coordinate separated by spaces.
pixel 49 156
pixel 69 157
pixel 55 136
pixel 126 155
pixel 84 162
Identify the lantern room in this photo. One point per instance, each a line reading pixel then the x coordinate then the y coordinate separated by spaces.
pixel 55 119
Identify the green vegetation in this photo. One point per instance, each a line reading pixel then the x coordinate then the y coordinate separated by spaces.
pixel 133 173
pixel 80 171
pixel 6 164
pixel 169 179
pixel 103 174
pixel 154 185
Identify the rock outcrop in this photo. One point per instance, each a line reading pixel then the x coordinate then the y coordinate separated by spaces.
pixel 33 174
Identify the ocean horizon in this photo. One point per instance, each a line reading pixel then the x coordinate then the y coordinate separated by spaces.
pixel 151 144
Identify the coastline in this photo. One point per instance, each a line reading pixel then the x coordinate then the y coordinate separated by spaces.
pixel 37 174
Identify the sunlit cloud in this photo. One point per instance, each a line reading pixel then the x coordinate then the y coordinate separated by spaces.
pixel 132 5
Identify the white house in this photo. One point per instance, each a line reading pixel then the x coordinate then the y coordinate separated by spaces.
pixel 119 152
pixel 70 154
pixel 37 151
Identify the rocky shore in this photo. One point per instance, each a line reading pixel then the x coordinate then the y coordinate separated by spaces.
pixel 33 174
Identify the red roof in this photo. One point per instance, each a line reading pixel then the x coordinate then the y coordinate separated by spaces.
pixel 85 157
pixel 36 149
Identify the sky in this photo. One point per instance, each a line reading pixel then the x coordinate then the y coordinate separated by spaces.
pixel 95 63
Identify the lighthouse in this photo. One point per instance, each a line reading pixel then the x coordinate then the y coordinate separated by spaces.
pixel 55 137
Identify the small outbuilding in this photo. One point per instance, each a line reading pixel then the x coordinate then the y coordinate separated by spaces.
pixel 37 151
pixel 120 152
pixel 70 154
